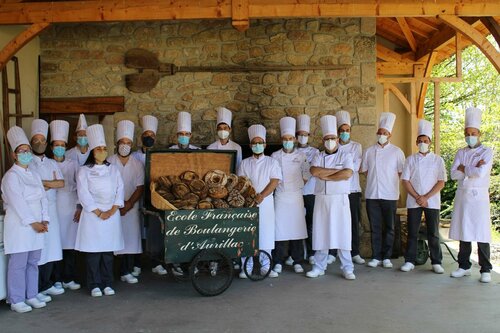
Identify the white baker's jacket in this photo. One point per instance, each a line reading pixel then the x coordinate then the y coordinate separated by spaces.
pixel 99 187
pixel 471 212
pixel 189 147
pixel 355 149
pixel 67 199
pixel 310 152
pixel 25 202
pixel 140 156
pixel 230 145
pixel 76 155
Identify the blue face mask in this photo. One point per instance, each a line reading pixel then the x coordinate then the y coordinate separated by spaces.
pixel 24 158
pixel 59 151
pixel 345 136
pixel 258 148
pixel 82 141
pixel 471 141
pixel 183 140
pixel 288 145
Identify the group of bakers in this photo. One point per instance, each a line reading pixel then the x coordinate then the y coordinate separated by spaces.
pixel 59 201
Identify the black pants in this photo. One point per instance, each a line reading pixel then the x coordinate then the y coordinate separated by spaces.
pixel 65 270
pixel 355 205
pixel 99 270
pixel 381 214
pixel 45 276
pixel 126 264
pixel 309 205
pixel 154 240
pixel 483 251
pixel 295 248
pixel 432 225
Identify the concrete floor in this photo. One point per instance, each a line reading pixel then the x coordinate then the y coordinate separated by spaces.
pixel 379 300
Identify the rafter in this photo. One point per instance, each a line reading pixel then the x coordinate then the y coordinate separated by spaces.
pixel 492 26
pixel 424 85
pixel 403 24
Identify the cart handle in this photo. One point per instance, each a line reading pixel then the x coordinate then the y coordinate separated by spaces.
pixel 152 213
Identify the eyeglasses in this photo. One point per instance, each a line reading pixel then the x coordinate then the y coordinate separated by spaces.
pixel 22 151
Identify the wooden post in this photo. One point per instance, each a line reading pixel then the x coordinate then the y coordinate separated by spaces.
pixel 437 118
pixel 458 43
pixel 413 116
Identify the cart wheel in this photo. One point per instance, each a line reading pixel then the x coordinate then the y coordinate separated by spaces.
pixel 422 252
pixel 180 272
pixel 211 272
pixel 259 266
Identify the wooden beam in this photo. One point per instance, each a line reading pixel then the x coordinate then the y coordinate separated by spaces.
pixel 402 98
pixel 458 46
pixel 386 98
pixel 240 15
pixel 87 105
pixel 437 118
pixel 492 26
pixel 396 68
pixel 417 80
pixel 19 41
pixel 423 86
pixel 475 36
pixel 407 32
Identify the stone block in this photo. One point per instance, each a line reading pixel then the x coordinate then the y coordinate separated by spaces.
pixel 367 115
pixel 303 46
pixel 368 26
pixel 368 73
pixel 221 79
pixel 299 35
pixel 297 60
pixel 361 96
pixel 323 38
pixel 296 77
pixel 273 113
pixel 231 35
pixel 306 91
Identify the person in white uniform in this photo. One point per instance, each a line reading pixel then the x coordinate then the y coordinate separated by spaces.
pixel 302 135
pixel 383 163
pixel 224 118
pixel 100 192
pixel 26 220
pixel 424 175
pixel 81 151
pixel 132 173
pixel 52 179
pixel 471 221
pixel 333 169
pixel 68 211
pixel 354 148
pixel 184 132
pixel 288 201
pixel 265 173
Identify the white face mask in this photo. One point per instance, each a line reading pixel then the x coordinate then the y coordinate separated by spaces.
pixel 382 139
pixel 223 134
pixel 423 147
pixel 124 150
pixel 330 144
pixel 303 139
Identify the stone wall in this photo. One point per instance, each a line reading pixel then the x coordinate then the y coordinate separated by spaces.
pixel 87 60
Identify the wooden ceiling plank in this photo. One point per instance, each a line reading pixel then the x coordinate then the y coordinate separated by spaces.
pixel 393 38
pixel 475 36
pixel 407 32
pixel 492 26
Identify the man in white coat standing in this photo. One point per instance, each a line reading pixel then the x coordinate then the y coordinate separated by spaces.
pixel 184 132
pixel 471 214
pixel 81 151
pixel 288 200
pixel 333 169
pixel 383 162
pixel 132 173
pixel 265 173
pixel 224 118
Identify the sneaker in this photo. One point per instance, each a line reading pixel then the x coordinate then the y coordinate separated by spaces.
pixel 35 303
pixel 438 269
pixel 21 307
pixel 311 260
pixel 485 277
pixel 373 263
pixel 460 273
pixel 43 298
pixel 278 268
pixel 289 261
pixel 243 275
pixel 129 278
pixel 407 266
pixel 72 285
pixel 273 274
pixel 58 285
pixel 387 263
pixel 159 270
pixel 96 292
pixel 331 259
pixel 53 291
pixel 315 272
pixel 349 275
pixel 108 291
pixel 298 268
pixel 177 271
pixel 358 260
pixel 137 271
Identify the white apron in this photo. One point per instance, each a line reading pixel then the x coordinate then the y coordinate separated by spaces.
pixel 332 222
pixel 131 228
pixel 470 221
pixel 291 224
pixel 266 224
pixel 66 207
pixel 52 249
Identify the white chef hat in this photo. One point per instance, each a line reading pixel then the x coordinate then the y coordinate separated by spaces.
pixel 255 131
pixel 95 134
pixel 17 137
pixel 343 118
pixel 224 116
pixel 82 123
pixel 184 122
pixel 387 120
pixel 304 123
pixel 425 128
pixel 473 117
pixel 39 126
pixel 287 126
pixel 125 129
pixel 59 130
pixel 149 123
pixel 328 125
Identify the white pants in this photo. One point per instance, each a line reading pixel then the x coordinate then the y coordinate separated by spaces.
pixel 321 257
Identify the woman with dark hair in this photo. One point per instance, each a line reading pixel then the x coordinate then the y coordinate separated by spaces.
pixel 100 191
